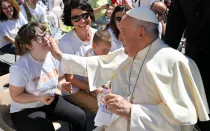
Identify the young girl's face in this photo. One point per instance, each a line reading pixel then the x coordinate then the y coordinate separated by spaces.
pixel 101 48
pixel 7 9
pixel 40 44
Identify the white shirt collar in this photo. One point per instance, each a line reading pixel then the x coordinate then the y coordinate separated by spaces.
pixel 142 53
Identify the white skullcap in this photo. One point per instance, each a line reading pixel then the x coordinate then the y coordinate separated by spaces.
pixel 144 14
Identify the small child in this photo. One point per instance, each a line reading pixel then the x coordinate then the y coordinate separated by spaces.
pixel 102 43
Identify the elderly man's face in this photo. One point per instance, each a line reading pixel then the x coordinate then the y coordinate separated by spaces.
pixel 159 8
pixel 129 34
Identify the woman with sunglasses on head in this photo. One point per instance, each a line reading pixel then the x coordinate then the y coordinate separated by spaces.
pixel 114 26
pixel 79 14
pixel 11 19
pixel 33 82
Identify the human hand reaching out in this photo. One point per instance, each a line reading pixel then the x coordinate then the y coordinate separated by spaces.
pixel 105 6
pixel 56 52
pixel 66 87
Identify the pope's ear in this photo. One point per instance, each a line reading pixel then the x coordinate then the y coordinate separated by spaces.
pixel 142 32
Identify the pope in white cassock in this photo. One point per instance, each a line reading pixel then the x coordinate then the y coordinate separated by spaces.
pixel 165 87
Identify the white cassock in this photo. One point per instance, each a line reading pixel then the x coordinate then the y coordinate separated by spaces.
pixel 169 93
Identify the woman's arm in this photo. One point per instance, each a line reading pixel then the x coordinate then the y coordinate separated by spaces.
pixel 98 9
pixel 9 39
pixel 18 95
pixel 76 82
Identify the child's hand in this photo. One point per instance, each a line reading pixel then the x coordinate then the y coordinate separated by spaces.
pixel 99 90
pixel 66 87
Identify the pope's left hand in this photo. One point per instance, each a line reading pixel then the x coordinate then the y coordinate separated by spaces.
pixel 118 105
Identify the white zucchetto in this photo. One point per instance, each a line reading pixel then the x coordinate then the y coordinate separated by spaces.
pixel 143 14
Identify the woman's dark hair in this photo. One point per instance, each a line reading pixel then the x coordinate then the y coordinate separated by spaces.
pixel 25 34
pixel 75 4
pixel 16 10
pixel 112 23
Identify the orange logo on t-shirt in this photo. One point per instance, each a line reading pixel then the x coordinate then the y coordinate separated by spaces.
pixel 46 76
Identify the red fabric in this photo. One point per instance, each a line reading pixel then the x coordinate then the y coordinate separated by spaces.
pixel 118 2
pixel 22 1
pixel 123 2
pixel 114 1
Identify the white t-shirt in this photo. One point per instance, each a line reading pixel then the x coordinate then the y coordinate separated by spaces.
pixel 37 78
pixel 90 52
pixel 56 7
pixel 39 13
pixel 116 44
pixel 145 3
pixel 70 43
pixel 10 28
pixel 42 5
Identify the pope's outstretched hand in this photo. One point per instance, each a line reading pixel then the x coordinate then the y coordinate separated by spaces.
pixel 56 52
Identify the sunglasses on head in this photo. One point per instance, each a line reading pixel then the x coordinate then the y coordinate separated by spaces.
pixel 77 18
pixel 118 18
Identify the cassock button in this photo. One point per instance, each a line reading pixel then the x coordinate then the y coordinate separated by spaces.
pixel 197 13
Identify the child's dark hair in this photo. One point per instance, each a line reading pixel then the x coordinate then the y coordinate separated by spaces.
pixel 102 36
